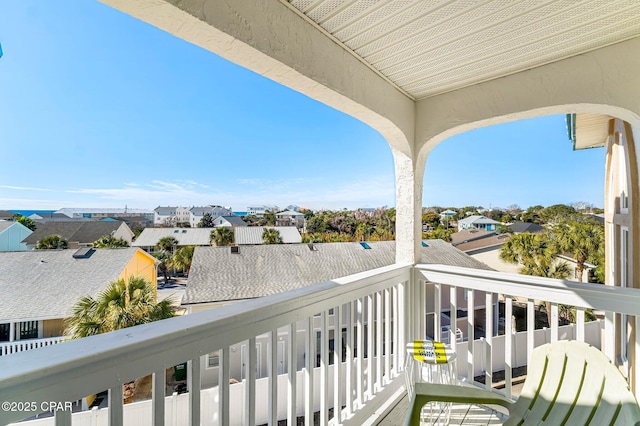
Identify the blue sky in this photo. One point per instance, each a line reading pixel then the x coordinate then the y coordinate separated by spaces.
pixel 98 109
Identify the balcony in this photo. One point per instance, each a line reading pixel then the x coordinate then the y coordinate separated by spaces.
pixel 379 311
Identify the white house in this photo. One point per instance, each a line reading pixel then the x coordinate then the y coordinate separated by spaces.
pixel 290 218
pixel 229 221
pixel 164 216
pixel 477 222
pixel 260 210
pixel 197 213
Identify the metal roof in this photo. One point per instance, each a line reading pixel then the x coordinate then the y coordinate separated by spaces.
pixel 253 234
pixel 430 47
pixel 185 236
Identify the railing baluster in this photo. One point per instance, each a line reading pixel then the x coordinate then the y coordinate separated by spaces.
pixel 508 344
pixel 580 324
pixel 250 382
pixel 272 359
pixel 116 411
pixel 437 312
pixel 488 326
pixel 348 314
pixel 399 305
pixel 292 373
pixel 324 369
pixel 63 418
pixel 471 335
pixel 609 336
pixel 531 328
pixel 193 382
pixel 360 354
pixel 387 336
pixel 157 396
pixel 337 365
pixel 453 316
pixel 370 373
pixel 555 320
pixel 379 342
pixel 310 363
pixel 223 387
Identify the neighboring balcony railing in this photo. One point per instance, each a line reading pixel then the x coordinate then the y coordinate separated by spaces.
pixel 7 348
pixel 377 313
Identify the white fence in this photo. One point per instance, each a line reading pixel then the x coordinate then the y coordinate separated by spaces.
pixel 7 348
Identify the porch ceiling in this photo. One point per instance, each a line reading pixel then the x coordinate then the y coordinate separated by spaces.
pixel 426 48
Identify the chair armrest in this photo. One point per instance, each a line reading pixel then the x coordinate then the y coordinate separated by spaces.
pixel 430 392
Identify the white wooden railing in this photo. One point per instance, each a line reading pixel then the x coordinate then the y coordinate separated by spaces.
pixel 364 385
pixel 448 283
pixel 399 301
pixel 7 348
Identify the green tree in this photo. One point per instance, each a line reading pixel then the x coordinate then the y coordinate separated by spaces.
pixel 167 244
pixel 122 304
pixel 431 218
pixel 28 222
pixel 584 240
pixel 206 221
pixel 440 233
pixel 271 236
pixel 183 258
pixel 108 241
pixel 532 214
pixel 221 236
pixel 557 213
pixel 52 242
pixel 165 249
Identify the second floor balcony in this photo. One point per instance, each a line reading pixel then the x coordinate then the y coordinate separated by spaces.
pixel 378 312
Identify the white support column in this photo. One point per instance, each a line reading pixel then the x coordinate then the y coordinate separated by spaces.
pixel 310 362
pixel 223 387
pixel 157 397
pixel 12 331
pixel 324 369
pixel 250 382
pixel 508 344
pixel 488 359
pixel 437 312
pixel 609 335
pixel 580 324
pixel 470 334
pixel 193 383
pixel 531 329
pixel 348 314
pixel 116 411
pixel 555 319
pixel 338 379
pixel 292 376
pixel 272 359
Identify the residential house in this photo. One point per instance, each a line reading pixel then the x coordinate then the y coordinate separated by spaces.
pixel 521 227
pixel 39 288
pixel 447 214
pixel 260 211
pixel 415 85
pixel 253 234
pixel 229 221
pixel 484 246
pixel 6 215
pixel 149 237
pixel 197 213
pixel 80 233
pixel 12 234
pixel 165 216
pixel 477 222
pixel 222 276
pixel 290 218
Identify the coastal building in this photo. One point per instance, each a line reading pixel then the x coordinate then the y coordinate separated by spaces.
pixel 101 213
pixel 291 218
pixel 39 288
pixel 12 234
pixel 244 235
pixel 229 221
pixel 197 213
pixel 80 233
pixel 149 237
pixel 477 222
pixel 260 211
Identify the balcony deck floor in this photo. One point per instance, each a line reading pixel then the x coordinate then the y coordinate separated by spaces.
pixel 461 414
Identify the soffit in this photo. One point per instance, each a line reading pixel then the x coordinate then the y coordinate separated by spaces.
pixel 592 131
pixel 430 47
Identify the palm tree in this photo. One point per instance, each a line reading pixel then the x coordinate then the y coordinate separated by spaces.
pixel 271 236
pixel 537 255
pixel 52 242
pixel 584 240
pixel 167 244
pixel 124 303
pixel 108 241
pixel 183 257
pixel 221 236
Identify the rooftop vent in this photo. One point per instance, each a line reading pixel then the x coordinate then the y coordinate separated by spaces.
pixel 425 244
pixel 312 247
pixel 184 231
pixel 365 245
pixel 235 249
pixel 84 253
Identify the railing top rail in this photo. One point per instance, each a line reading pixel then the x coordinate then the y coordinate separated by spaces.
pixel 74 369
pixel 586 295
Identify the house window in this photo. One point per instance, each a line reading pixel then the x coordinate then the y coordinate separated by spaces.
pixel 213 359
pixel 28 330
pixel 5 329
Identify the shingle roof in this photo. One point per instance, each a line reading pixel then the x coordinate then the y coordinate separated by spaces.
pixel 477 219
pixel 74 231
pixel 185 236
pixel 165 210
pixel 6 214
pixel 4 224
pixel 255 271
pixel 253 234
pixel 469 235
pixel 46 283
pixel 495 240
pixel 520 227
pixel 234 220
